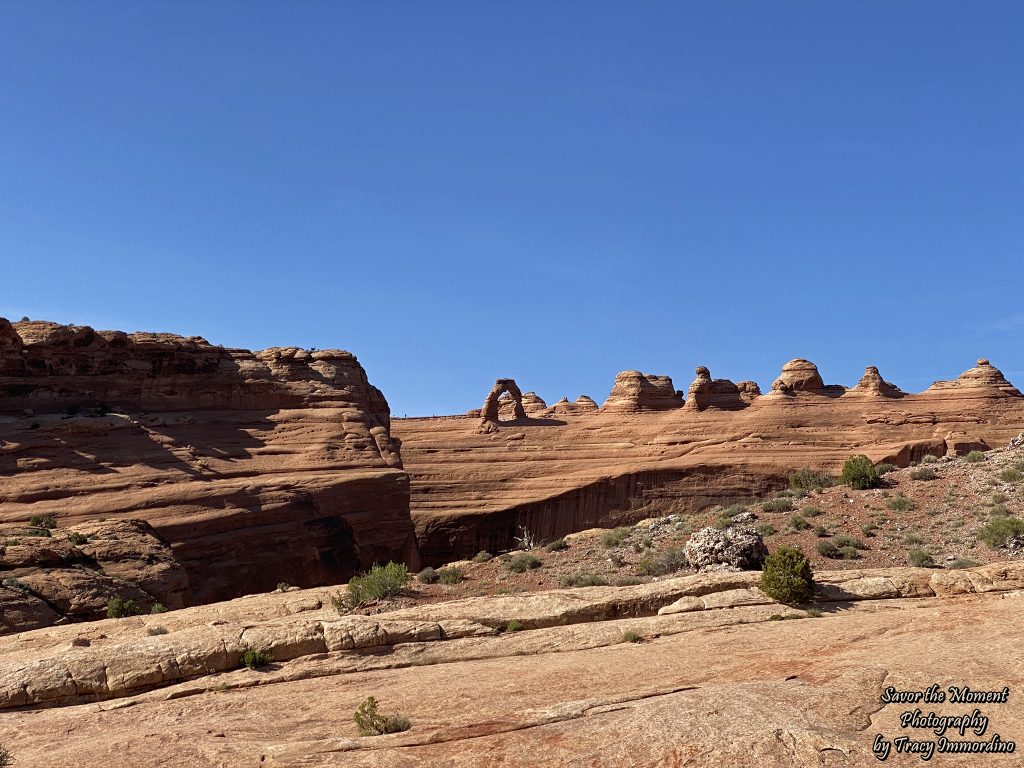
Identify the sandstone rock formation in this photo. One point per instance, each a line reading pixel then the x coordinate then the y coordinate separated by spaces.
pixel 981 381
pixel 582 405
pixel 737 547
pixel 634 392
pixel 256 467
pixel 491 410
pixel 706 392
pixel 532 404
pixel 799 375
pixel 872 384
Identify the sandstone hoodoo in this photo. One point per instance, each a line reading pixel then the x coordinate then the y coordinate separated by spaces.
pixel 984 380
pixel 706 392
pixel 255 467
pixel 634 392
pixel 532 403
pixel 799 375
pixel 872 384
pixel 582 405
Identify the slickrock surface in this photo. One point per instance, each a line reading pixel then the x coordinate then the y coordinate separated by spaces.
pixel 255 467
pixel 573 471
pixel 688 671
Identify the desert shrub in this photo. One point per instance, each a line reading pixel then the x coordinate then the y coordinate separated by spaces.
pixel 379 582
pixel 40 532
pixel 885 468
pixel 43 521
pixel 799 523
pixel 158 608
pixel 901 503
pixel 665 562
pixel 428 576
pixel 766 529
pixel 929 459
pixel 450 575
pixel 998 498
pixel 808 479
pixel 787 576
pixel 482 556
pixel 119 609
pixel 152 631
pixel 822 532
pixel 868 529
pixel 6 758
pixel 811 512
pixel 513 625
pixel 842 540
pixel 781 504
pixel 963 562
pixel 76 538
pixel 840 548
pixel 860 474
pixel 526 540
pixel 584 580
pixel 629 636
pixel 616 559
pixel 815 613
pixel 974 457
pixel 912 538
pixel 923 473
pixel 370 722
pixel 522 563
pixel 921 558
pixel 735 509
pixel 282 586
pixel 254 659
pixel 12 583
pixel 999 529
pixel 1010 475
pixel 615 536
pixel 557 545
pixel 999 510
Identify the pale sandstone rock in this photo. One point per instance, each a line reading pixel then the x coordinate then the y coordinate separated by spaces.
pixel 634 392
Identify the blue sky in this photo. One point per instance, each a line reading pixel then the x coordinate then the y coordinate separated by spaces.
pixel 550 191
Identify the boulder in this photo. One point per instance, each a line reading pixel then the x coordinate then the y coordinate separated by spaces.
pixel 634 391
pixel 737 547
pixel 799 375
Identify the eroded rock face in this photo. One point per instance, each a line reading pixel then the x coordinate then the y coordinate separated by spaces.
pixel 737 547
pixel 706 392
pixel 532 404
pixel 582 405
pixel 982 380
pixel 491 410
pixel 872 384
pixel 799 375
pixel 634 391
pixel 256 467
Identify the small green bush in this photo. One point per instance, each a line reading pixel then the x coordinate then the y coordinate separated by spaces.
pixel 782 504
pixel 901 503
pixel 766 529
pixel 842 540
pixel 629 636
pixel 840 548
pixel 513 625
pixel 482 556
pixel 450 575
pixel 663 563
pixel 379 582
pixel 923 473
pixel 158 608
pixel 963 562
pixel 1010 475
pixel 811 512
pixel 859 473
pixel 43 521
pixel 119 609
pixel 282 586
pixel 370 722
pixel 787 576
pixel 76 538
pixel 799 523
pixel 998 498
pixel 869 530
pixel 929 459
pixel 557 545
pixel 616 559
pixel 822 532
pixel 615 536
pixel 921 558
pixel 884 469
pixel 523 562
pixel 428 576
pixel 808 479
pixel 584 580
pixel 153 631
pixel 999 529
pixel 6 758
pixel 974 457
pixel 815 613
pixel 254 659
pixel 43 533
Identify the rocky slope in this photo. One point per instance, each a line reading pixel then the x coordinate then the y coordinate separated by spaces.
pixel 254 467
pixel 644 454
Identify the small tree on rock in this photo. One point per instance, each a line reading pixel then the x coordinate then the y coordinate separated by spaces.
pixel 787 576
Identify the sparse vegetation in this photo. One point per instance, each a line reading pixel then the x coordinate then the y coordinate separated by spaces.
pixel 629 636
pixel 766 529
pixel 158 630
pixel 451 575
pixel 869 530
pixel 884 469
pixel 117 608
pixel 963 562
pixel 929 459
pixel 1010 475
pixel 923 473
pixel 282 586
pixel 370 722
pixel 584 580
pixel 665 562
pixel 379 582
pixel 900 503
pixel 860 474
pixel 526 540
pixel 482 556
pixel 523 562
pixel 787 576
pixel 513 625
pixel 808 479
pixel 798 523
pixel 76 538
pixel 815 613
pixel 43 521
pixel 254 659
pixel 921 558
pixel 811 512
pixel 158 608
pixel 615 536
pixel 974 457
pixel 781 504
pixel 428 576
pixel 999 529
pixel 6 758
pixel 841 547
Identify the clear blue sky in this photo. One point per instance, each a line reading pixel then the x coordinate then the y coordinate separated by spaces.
pixel 554 191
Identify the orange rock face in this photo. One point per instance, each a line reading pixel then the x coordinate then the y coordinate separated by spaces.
pixel 255 467
pixel 634 391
